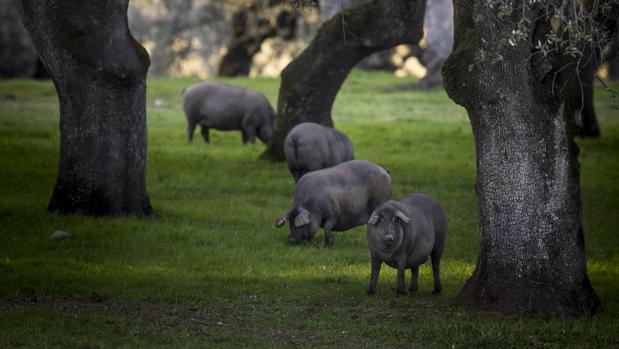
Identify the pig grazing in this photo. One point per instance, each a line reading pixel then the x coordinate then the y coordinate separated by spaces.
pixel 224 107
pixel 310 147
pixel 403 234
pixel 336 198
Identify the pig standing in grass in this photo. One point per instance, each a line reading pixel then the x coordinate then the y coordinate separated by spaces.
pixel 403 234
pixel 224 107
pixel 336 198
pixel 310 147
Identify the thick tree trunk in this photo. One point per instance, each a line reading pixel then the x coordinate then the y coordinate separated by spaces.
pixel 532 256
pixel 381 60
pixel 311 81
pixel 99 71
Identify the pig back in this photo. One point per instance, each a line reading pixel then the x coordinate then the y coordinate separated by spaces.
pixel 429 208
pixel 348 191
pixel 222 106
pixel 341 147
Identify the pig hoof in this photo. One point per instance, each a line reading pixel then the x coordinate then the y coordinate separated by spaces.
pixel 436 292
pixel 399 292
pixel 370 291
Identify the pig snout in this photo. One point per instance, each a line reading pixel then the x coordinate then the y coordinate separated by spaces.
pixel 388 240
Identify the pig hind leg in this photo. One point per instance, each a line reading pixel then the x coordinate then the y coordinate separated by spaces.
pixel 440 233
pixel 190 129
pixel 436 270
pixel 296 173
pixel 204 132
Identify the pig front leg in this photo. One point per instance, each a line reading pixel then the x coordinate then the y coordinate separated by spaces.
pixel 249 135
pixel 376 263
pixel 400 277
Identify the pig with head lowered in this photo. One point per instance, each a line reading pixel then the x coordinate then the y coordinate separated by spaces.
pixel 225 107
pixel 336 199
pixel 310 147
pixel 403 234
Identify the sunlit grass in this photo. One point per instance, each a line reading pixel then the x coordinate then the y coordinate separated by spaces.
pixel 212 270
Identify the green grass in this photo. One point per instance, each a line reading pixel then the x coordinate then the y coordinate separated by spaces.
pixel 212 271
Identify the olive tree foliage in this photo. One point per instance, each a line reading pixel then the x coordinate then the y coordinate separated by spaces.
pixel 99 72
pixel 511 62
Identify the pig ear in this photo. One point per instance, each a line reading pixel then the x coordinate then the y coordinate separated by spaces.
pixel 373 219
pixel 303 218
pixel 402 216
pixel 282 220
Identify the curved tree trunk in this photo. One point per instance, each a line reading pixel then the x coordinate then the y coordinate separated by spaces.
pixel 99 71
pixel 532 256
pixel 311 81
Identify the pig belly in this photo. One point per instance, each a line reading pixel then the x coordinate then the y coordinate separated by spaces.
pixel 348 222
pixel 221 118
pixel 414 261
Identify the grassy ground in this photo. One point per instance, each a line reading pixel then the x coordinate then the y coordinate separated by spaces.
pixel 213 271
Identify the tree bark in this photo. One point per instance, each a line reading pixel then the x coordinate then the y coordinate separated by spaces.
pixel 311 81
pixel 532 255
pixel 99 71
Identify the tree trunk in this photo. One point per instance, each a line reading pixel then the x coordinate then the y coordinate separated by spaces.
pixel 532 255
pixel 252 26
pixel 613 56
pixel 99 71
pixel 164 54
pixel 438 27
pixel 578 92
pixel 311 81
pixel 18 59
pixel 439 38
